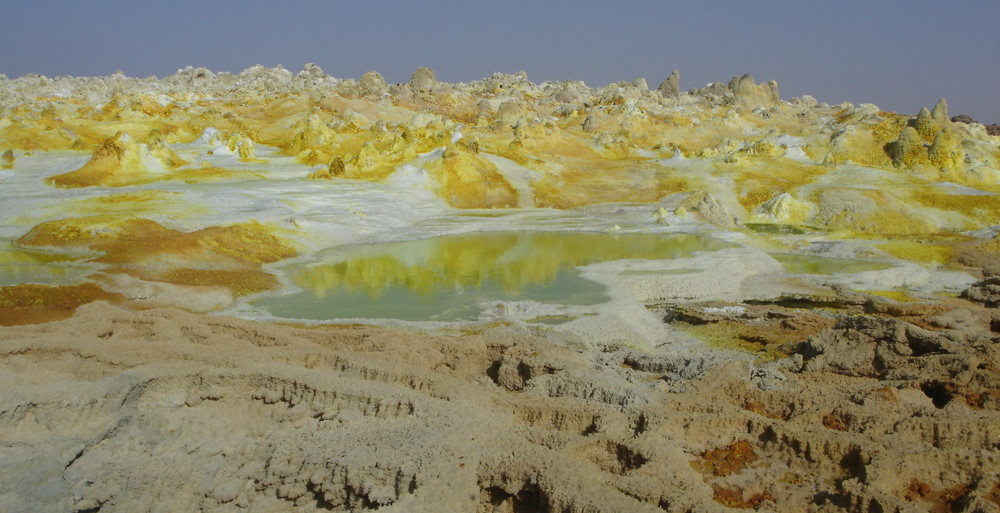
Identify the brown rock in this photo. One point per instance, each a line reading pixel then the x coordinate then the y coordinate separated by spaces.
pixel 670 87
pixel 422 79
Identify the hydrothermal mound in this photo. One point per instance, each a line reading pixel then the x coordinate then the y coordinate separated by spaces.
pixel 825 341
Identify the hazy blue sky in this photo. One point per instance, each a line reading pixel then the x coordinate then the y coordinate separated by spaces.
pixel 898 54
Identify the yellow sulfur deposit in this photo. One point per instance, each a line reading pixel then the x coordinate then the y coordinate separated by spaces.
pixel 120 161
pixel 728 154
pixel 470 181
pixel 588 145
pixel 227 256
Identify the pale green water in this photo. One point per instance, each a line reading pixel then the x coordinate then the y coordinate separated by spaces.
pixel 808 264
pixel 25 265
pixel 778 229
pixel 445 278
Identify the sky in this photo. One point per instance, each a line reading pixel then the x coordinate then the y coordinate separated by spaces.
pixel 898 54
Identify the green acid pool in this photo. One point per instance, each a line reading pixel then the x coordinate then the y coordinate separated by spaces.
pixel 446 278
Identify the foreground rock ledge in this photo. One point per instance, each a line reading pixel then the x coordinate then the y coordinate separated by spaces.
pixel 163 410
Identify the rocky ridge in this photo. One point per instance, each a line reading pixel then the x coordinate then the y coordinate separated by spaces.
pixel 178 411
pixel 575 137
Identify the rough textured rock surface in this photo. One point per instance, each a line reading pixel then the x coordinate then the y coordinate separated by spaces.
pixel 670 87
pixel 909 148
pixel 752 94
pixel 991 129
pixel 708 208
pixel 422 79
pixel 140 411
pixel 587 145
pixel 940 112
pixel 372 84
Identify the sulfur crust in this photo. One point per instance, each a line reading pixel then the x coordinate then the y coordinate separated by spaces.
pixel 740 152
pixel 227 256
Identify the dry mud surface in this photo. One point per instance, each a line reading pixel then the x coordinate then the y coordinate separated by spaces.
pixel 163 410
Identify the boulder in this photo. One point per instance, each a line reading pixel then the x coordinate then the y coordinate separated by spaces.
pixel 707 207
pixel 422 79
pixel 372 84
pixel 670 87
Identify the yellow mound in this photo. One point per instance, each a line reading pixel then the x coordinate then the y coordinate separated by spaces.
pixel 470 181
pixel 228 256
pixel 121 161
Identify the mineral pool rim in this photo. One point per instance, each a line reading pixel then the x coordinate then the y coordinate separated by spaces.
pixel 453 278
